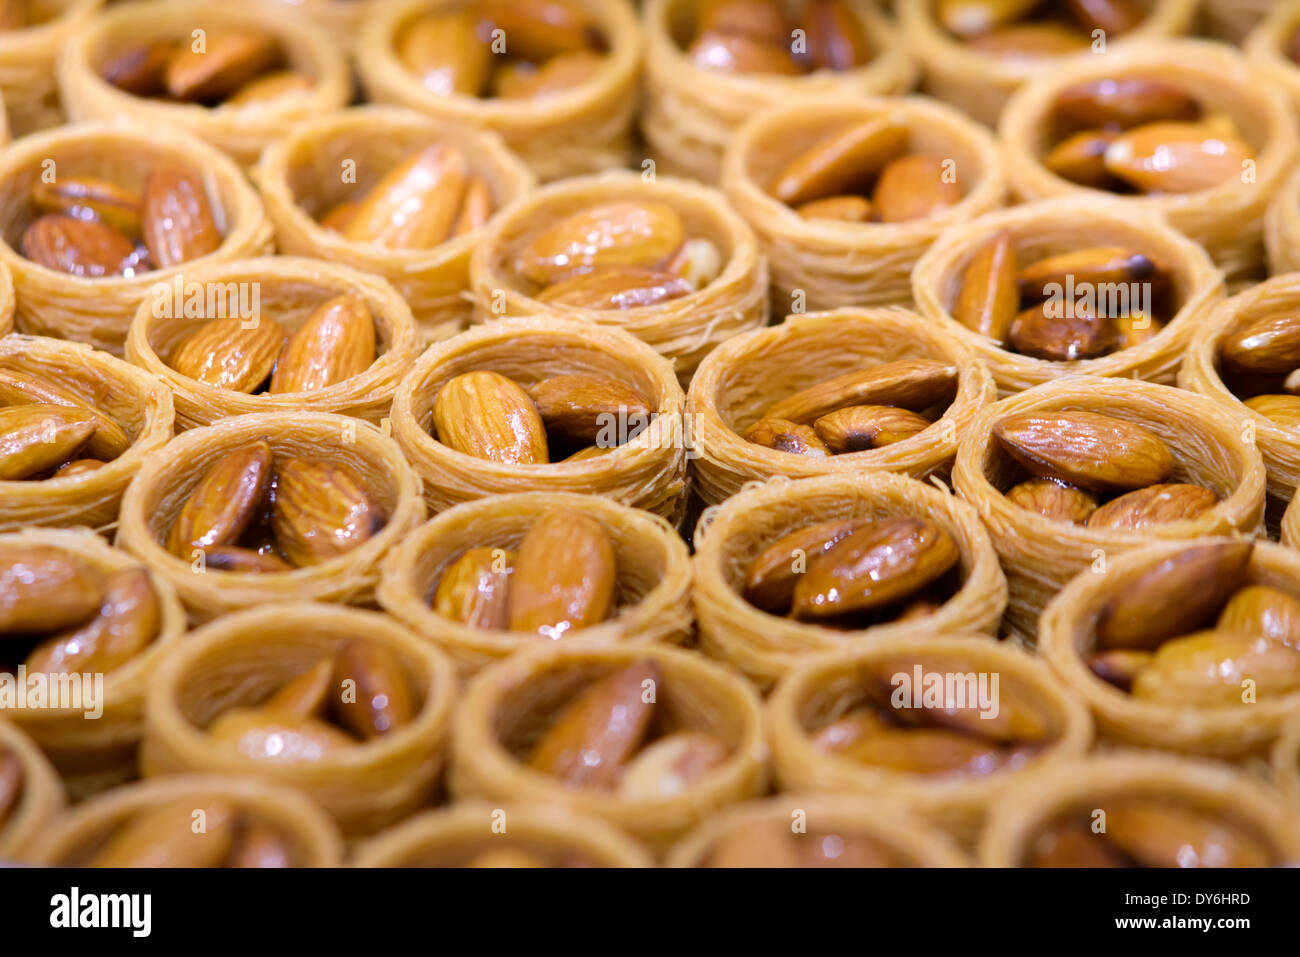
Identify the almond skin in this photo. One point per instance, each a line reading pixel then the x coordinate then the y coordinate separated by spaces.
pixel 771 576
pixel 558 75
pixel 856 428
pixel 1281 409
pixel 1177 157
pixel 176 217
pixel 269 88
pixel 140 70
pixel 473 589
pixel 19 388
pixel 1262 610
pixel 1028 41
pixel 127 622
pixel 165 836
pixel 232 558
pixel 446 53
pixel 486 415
pixel 1207 669
pixel 414 206
pixel 763 20
pixel 259 845
pixel 1081 158
pixel 843 162
pixel 1061 338
pixel 223 504
pixel 1161 833
pixel 475 208
pixel 1096 452
pixel 383 702
pixel 1097 265
pixel 626 287
pixel 599 730
pixel 1123 102
pixel 671 764
pixel 230 59
pixel 620 233
pixel 307 695
pixel 266 735
pixel 321 510
pixel 782 435
pixel 1120 667
pixel 1268 343
pixel 1154 505
pixel 1135 329
pixel 228 354
pixel 335 343
pixel 577 408
pixel 1055 500
pixel 540 29
pixel 80 247
pixel 564 575
pixel 1172 598
pixel 43 589
pixel 927 751
pixel 845 209
pixel 1113 17
pixel 988 299
pixel 914 187
pixel 912 384
pixel 736 53
pixel 875 565
pixel 835 41
pixel 38 438
pixel 87 197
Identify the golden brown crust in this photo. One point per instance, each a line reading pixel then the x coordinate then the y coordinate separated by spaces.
pixel 27 64
pixel 300 178
pixel 240 658
pixel 451 836
pixel 1040 555
pixel 42 795
pixel 581 131
pixel 1067 633
pixel 767 646
pixel 652 591
pixel 1290 533
pixel 511 697
pixel 165 479
pixel 1282 227
pixel 1048 227
pixel 288 290
pixel 1286 759
pixel 746 374
pixel 1267 44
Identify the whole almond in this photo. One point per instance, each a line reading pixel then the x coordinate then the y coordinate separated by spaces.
pixel 1097 452
pixel 617 233
pixel 321 510
pixel 540 29
pixel 913 384
pixel 1017 721
pixel 856 428
pixel 927 751
pixel 80 247
pixel 258 844
pixel 564 575
pixel 43 589
pixel 1178 157
pixel 772 575
pixel 1284 410
pixel 128 621
pixel 1162 833
pixel 1207 669
pixel 988 298
pixel 1030 41
pixel 445 51
pixel 232 558
pixel 846 209
pixel 698 261
pixel 1081 158
pixel 19 388
pixel 230 354
pixel 270 88
pixel 414 205
pixel 914 187
pixel 307 695
pixel 843 162
pixel 11 783
pixel 617 287
pixel 338 217
pixel 38 438
pixel 763 20
pixel 265 735
pixel 1112 17
pixel 1154 505
pixel 1173 597
pixel 558 75
pixel 224 502
pixel 1119 667
pixel 473 589
pixel 969 18
pixel 835 40
pixel 1062 332
pixel 380 701
pixel 848 730
pixel 671 765
pixel 1135 329
pixel 475 208
pixel 335 343
pixel 165 836
pixel 1268 343
pixel 1263 611
pixel 588 409
pixel 176 217
pixel 782 435
pixel 600 729
pixel 1055 500
pixel 875 565
pixel 1123 102
pixel 1096 265
pixel 228 60
pixel 140 70
pixel 488 416
pixel 87 197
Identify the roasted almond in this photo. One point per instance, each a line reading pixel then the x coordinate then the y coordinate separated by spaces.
pixel 771 576
pixel 1095 265
pixel 475 208
pixel 228 60
pixel 765 844
pixel 1119 667
pixel 763 20
pixel 842 162
pixel 414 205
pixel 128 621
pixel 140 70
pixel 564 575
pixel 1054 499
pixel 618 233
pixel 1154 505
pixel 914 187
pixel 19 388
pixel 43 589
pixel 335 343
pixel 670 765
pixel 1123 102
pixel 232 558
pixel 269 88
pixel 540 29
pixel 1173 597
pixel 38 438
pixel 698 261
pixel 307 695
pixel 321 510
pixel 587 409
pixel 80 247
pixel 1072 845
pixel 1263 611
pixel 856 428
pixel 1135 329
pixel 1097 452
pixel 1029 41
pixel 1284 410
pixel 473 588
pixel 224 502
pixel 169 836
pixel 625 287
pixel 486 415
pixel 1062 332
pixel 970 18
pixel 379 700
pixel 258 844
pixel 176 217
pixel 518 81
pixel 835 39
pixel 848 730
pixel 927 751
pixel 1268 343
pixel 265 735
pixel 1161 833
pixel 1208 669
pixel 1112 17
pixel 338 217
pixel 875 565
pixel 445 51
pixel 1177 157
pixel 913 384
pixel 1081 158
pixel 736 53
pixel 782 435
pixel 90 197
pixel 988 299
pixel 846 209
pixel 230 353
pixel 599 730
